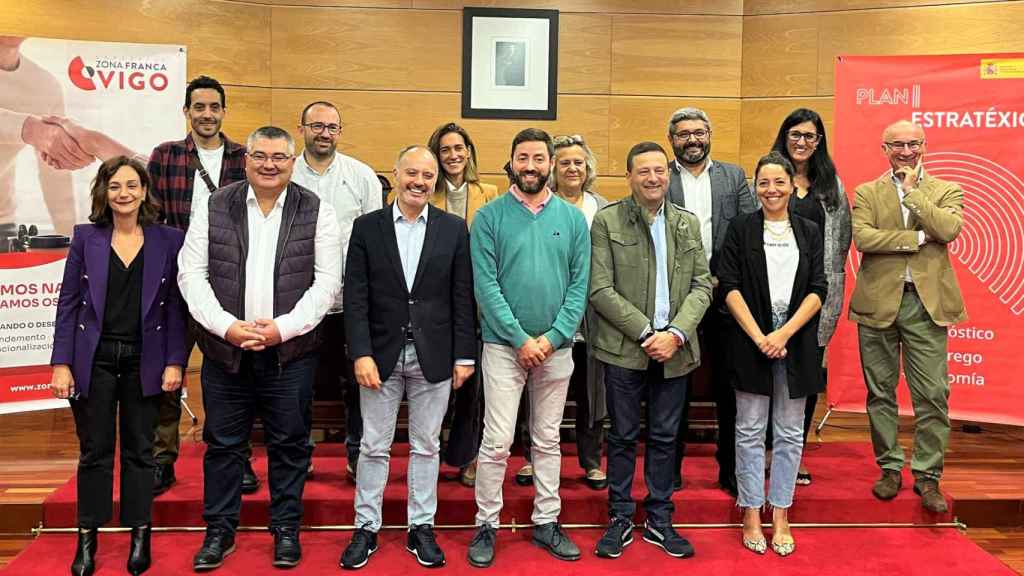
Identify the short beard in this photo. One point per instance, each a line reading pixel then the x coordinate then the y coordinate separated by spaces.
pixel 542 182
pixel 680 152
pixel 311 148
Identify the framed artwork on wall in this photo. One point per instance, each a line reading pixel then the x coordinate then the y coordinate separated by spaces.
pixel 509 63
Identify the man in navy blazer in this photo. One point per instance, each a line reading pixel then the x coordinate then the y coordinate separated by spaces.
pixel 410 324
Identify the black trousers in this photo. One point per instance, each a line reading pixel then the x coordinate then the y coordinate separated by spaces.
pixel 335 369
pixel 589 439
pixel 464 420
pixel 712 336
pixel 115 394
pixel 281 396
pixel 625 390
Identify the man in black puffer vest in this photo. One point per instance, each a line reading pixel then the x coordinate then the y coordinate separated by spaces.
pixel 260 267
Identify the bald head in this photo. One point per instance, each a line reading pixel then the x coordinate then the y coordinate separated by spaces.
pixel 903 127
pixel 415 176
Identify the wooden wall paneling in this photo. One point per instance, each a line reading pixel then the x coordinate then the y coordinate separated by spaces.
pixel 979 28
pixel 225 40
pixel 611 187
pixel 584 53
pixel 247 109
pixel 366 49
pixel 754 7
pixel 332 3
pixel 761 120
pixel 379 124
pixel 633 119
pixel 676 55
pixel 780 55
pixel 721 7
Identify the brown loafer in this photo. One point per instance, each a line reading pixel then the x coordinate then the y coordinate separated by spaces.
pixel 467 476
pixel 931 497
pixel 888 485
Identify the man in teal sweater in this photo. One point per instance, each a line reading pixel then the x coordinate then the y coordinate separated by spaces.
pixel 531 267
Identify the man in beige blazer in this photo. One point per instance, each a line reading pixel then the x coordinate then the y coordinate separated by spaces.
pixel 906 297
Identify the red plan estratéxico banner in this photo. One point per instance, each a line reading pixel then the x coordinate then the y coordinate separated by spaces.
pixel 104 98
pixel 972 111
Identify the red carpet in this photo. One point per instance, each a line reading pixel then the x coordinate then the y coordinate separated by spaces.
pixel 831 552
pixel 841 493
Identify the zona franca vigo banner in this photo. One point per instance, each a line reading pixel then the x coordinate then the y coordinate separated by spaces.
pixel 972 111
pixel 65 106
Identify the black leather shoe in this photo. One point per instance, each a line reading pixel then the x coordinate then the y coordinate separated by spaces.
pixel 596 479
pixel 85 553
pixel 524 477
pixel 139 557
pixel 163 478
pixel 250 481
pixel 216 546
pixel 287 551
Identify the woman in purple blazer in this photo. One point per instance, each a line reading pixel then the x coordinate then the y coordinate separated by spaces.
pixel 119 338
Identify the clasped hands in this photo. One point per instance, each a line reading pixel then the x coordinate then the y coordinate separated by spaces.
pixel 253 336
pixel 774 344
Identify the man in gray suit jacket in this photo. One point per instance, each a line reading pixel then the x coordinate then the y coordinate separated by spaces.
pixel 716 192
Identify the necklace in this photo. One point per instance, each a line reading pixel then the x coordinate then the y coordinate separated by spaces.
pixel 779 230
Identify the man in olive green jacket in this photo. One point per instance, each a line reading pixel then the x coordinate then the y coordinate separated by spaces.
pixel 906 297
pixel 649 288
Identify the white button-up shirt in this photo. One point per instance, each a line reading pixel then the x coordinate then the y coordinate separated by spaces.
pixel 350 187
pixel 697 198
pixel 907 277
pixel 194 282
pixel 410 236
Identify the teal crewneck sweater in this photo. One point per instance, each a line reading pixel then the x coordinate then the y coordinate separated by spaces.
pixel 530 272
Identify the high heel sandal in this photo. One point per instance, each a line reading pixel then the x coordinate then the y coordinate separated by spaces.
pixel 757 546
pixel 85 553
pixel 784 548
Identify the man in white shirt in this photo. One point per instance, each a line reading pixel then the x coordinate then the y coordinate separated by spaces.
pixel 260 267
pixel 352 189
pixel 716 192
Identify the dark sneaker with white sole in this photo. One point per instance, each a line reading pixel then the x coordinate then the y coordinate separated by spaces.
pixel 668 540
pixel 423 545
pixel 618 535
pixel 359 549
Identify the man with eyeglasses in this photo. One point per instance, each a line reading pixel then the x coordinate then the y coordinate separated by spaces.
pixel 716 192
pixel 352 189
pixel 260 267
pixel 184 174
pixel 906 297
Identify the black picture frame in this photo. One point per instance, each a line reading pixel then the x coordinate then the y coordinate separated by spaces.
pixel 518 71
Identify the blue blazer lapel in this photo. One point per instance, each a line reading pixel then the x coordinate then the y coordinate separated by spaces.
pixel 152 266
pixel 387 227
pixel 97 267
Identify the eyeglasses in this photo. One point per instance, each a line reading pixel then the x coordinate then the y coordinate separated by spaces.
pixel 318 127
pixel 795 136
pixel 913 145
pixel 697 135
pixel 277 159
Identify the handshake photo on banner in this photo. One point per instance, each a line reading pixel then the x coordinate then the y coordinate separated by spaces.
pixel 63 144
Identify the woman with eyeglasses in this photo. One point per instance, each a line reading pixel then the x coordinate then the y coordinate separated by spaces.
pixel 818 196
pixel 459 191
pixel 572 179
pixel 119 343
pixel 771 272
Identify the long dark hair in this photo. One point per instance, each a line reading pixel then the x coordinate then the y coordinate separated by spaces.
pixel 101 214
pixel 820 170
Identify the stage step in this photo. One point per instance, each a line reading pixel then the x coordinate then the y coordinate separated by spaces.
pixel 840 494
pixel 846 551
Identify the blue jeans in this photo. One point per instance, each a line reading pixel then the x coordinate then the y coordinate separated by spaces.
pixel 625 389
pixel 752 413
pixel 281 395
pixel 428 402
